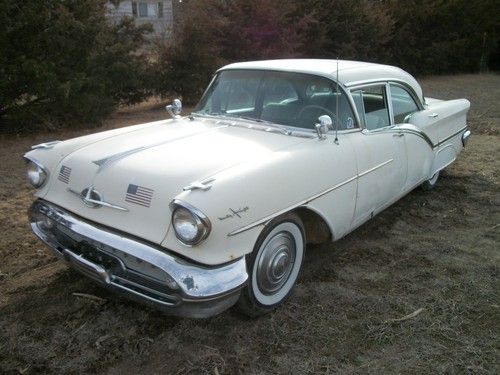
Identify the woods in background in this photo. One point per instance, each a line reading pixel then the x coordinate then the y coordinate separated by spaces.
pixel 62 63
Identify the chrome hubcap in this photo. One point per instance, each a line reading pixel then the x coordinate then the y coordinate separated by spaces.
pixel 276 263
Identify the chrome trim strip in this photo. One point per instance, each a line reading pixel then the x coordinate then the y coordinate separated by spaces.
pixel 270 217
pixel 102 163
pixel 420 134
pixel 375 168
pixel 370 82
pixel 451 136
pixel 395 129
pixel 388 96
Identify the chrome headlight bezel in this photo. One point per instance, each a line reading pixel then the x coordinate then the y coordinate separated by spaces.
pixel 43 173
pixel 199 220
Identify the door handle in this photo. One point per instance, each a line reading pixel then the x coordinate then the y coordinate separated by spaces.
pixel 398 135
pixel 433 115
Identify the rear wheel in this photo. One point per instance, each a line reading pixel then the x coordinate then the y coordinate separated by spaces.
pixel 431 182
pixel 273 266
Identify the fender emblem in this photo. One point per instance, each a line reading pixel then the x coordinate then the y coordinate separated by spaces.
pixel 234 213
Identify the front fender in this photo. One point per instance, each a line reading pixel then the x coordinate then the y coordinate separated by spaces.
pixel 244 198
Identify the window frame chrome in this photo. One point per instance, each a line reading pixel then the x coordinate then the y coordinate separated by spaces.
pixel 297 129
pixel 409 91
pixel 384 82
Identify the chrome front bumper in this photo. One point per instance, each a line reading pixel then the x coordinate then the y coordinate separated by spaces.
pixel 141 271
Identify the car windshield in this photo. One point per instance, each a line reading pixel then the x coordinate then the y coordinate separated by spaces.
pixel 284 98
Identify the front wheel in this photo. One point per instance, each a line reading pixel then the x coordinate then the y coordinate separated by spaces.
pixel 273 266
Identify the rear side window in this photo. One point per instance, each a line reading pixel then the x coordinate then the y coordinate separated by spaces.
pixel 402 104
pixel 371 103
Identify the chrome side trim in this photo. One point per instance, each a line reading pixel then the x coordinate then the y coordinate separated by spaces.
pixel 451 136
pixel 272 216
pixel 375 168
pixel 395 129
pixel 420 134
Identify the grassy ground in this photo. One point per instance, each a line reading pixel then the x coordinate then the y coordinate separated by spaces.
pixel 434 254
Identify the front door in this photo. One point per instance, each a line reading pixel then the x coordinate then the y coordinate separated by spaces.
pixel 380 154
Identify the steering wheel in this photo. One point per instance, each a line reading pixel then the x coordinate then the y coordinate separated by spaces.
pixel 319 111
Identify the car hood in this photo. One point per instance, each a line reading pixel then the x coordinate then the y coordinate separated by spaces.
pixel 144 170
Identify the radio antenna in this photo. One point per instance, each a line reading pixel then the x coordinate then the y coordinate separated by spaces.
pixel 336 141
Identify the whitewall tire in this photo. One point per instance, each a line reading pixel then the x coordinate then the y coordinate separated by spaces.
pixel 273 266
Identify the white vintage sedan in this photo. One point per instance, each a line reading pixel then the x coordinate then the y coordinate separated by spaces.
pixel 199 213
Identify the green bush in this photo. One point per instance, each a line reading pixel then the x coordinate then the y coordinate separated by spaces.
pixel 211 33
pixel 62 63
pixel 421 36
pixel 443 37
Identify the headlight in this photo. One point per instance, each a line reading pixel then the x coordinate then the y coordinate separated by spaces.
pixel 190 225
pixel 36 174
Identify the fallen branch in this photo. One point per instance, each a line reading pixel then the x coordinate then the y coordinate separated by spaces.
pixel 406 317
pixel 90 297
pixel 493 227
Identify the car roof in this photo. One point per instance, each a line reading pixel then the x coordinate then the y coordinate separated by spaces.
pixel 350 73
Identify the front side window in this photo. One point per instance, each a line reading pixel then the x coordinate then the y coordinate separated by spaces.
pixel 402 104
pixel 134 8
pixel 371 103
pixel 284 98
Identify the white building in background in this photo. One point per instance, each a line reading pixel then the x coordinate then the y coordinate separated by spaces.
pixel 158 13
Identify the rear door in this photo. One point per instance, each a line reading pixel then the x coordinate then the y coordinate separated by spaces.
pixel 418 146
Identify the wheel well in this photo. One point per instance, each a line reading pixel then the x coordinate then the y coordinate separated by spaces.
pixel 317 230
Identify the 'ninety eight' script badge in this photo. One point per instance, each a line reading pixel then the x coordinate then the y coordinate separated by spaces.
pixel 139 195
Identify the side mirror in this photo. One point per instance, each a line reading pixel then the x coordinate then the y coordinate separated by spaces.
pixel 324 124
pixel 175 108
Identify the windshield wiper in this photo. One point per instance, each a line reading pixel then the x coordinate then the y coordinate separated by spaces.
pixel 260 121
pixel 272 125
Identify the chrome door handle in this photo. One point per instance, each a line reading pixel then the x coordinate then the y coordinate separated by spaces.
pixel 433 115
pixel 398 135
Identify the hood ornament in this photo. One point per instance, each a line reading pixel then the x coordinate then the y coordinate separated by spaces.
pixel 201 185
pixel 94 199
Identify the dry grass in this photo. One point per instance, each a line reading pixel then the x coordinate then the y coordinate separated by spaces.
pixel 437 251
